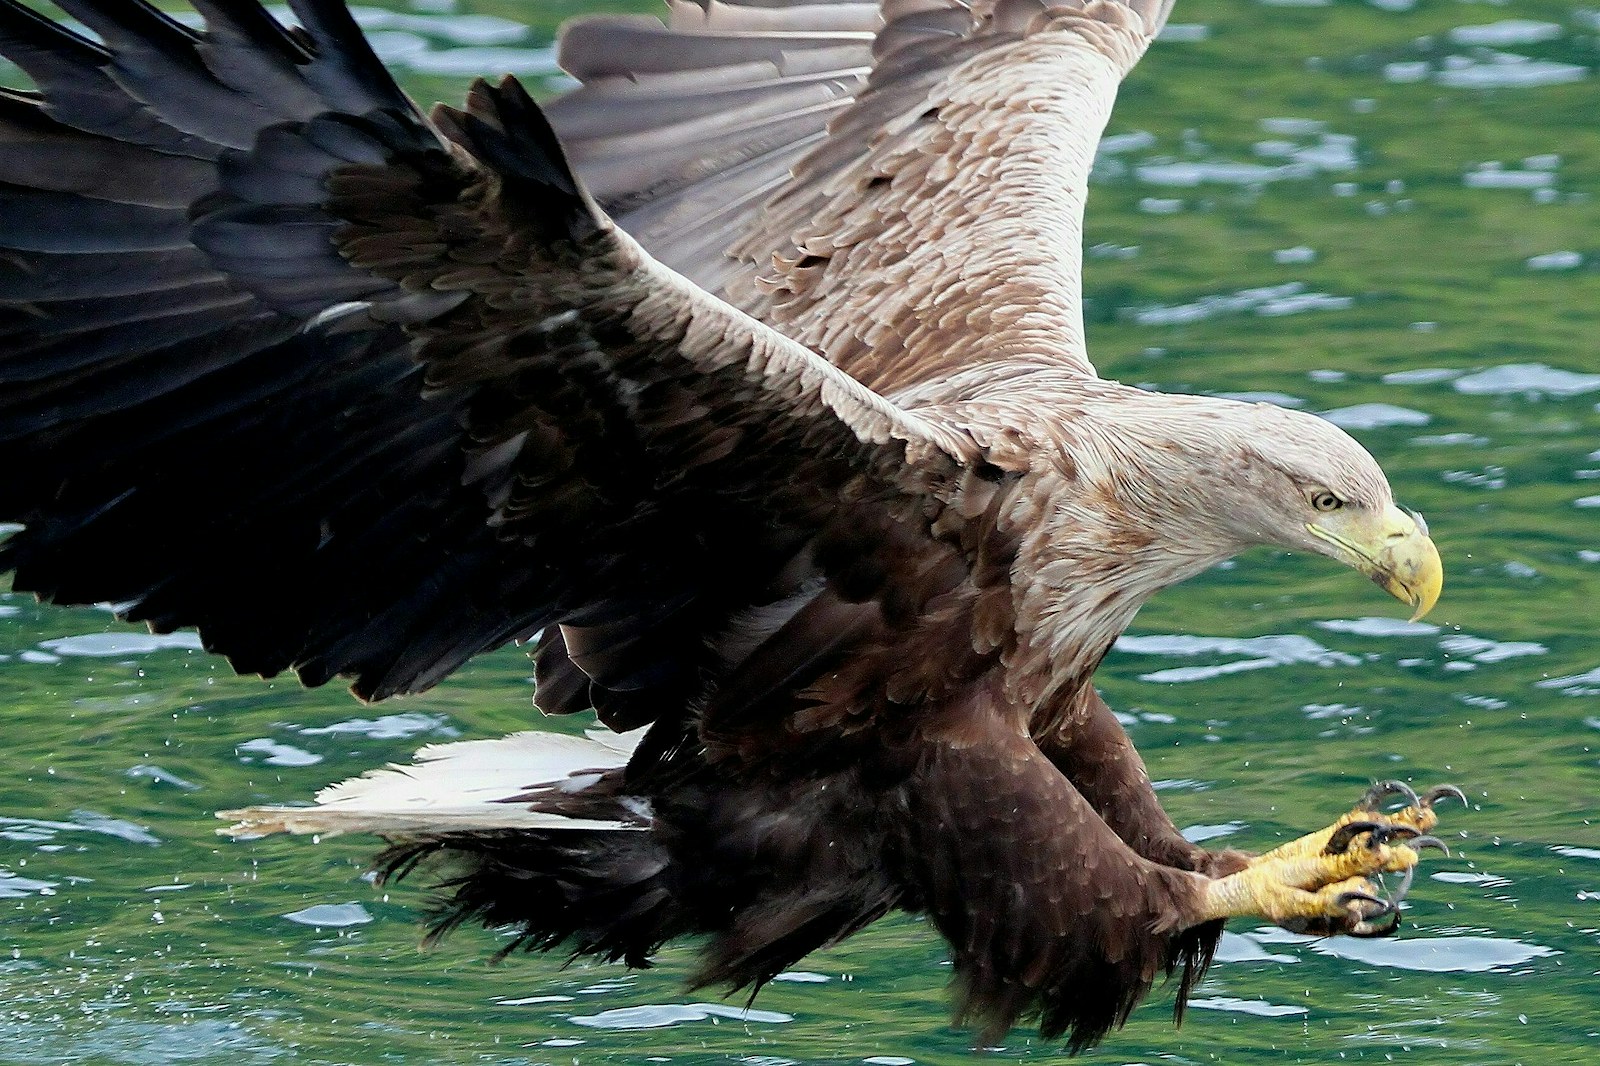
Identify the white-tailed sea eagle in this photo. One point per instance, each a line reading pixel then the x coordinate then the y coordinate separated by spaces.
pixel 748 381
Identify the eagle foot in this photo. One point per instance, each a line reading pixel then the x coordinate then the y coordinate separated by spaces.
pixel 1331 881
pixel 1417 813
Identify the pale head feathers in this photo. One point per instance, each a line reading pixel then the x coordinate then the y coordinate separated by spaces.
pixel 1200 475
pixel 1136 491
pixel 1215 474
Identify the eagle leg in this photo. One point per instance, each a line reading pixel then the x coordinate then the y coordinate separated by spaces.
pixel 1327 882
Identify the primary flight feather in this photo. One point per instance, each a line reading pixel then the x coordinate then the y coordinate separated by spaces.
pixel 747 380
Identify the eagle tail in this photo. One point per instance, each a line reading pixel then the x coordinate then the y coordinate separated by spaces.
pixel 526 781
pixel 536 833
pixel 621 895
pixel 602 892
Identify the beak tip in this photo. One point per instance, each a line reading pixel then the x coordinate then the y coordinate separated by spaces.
pixel 1427 579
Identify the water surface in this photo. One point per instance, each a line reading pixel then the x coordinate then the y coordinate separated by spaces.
pixel 1383 212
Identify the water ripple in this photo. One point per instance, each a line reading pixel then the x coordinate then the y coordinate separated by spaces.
pixel 1376 416
pixel 97 645
pixel 331 915
pixel 1257 1007
pixel 1461 954
pixel 1283 649
pixel 1527 379
pixel 659 1016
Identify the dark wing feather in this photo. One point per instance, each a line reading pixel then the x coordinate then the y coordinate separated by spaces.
pixel 353 400
pixel 178 442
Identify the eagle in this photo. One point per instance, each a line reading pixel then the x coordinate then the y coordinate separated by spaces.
pixel 746 382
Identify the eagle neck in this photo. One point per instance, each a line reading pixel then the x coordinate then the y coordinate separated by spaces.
pixel 1108 527
pixel 1071 610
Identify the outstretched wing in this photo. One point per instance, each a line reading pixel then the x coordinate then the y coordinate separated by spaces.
pixel 908 204
pixel 360 395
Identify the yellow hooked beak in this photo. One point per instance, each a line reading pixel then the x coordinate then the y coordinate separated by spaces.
pixel 1392 548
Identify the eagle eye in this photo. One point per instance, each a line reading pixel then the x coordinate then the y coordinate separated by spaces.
pixel 1323 500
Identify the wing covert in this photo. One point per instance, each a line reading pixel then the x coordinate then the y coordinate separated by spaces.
pixel 925 217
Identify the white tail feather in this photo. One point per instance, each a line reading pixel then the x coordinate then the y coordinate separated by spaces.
pixel 455 787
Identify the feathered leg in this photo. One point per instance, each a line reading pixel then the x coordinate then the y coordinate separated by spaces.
pixel 1094 752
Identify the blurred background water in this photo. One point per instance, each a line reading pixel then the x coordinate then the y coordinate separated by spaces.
pixel 1380 211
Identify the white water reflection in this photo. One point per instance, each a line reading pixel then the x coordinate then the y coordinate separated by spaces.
pixel 445 42
pixel 100 645
pixel 1527 379
pixel 1263 652
pixel 1436 440
pixel 1463 877
pixel 1584 684
pixel 1277 399
pixel 1293 127
pixel 1563 260
pixel 40 830
pixel 659 1016
pixel 1196 834
pixel 1302 149
pixel 1243 947
pixel 473 62
pixel 385 727
pixel 1506 32
pixel 1376 416
pixel 1379 627
pixel 1185 175
pixel 276 754
pixel 1332 153
pixel 331 915
pixel 1501 70
pixel 1495 176
pixel 1426 375
pixel 1484 650
pixel 151 772
pixel 1260 1008
pixel 1319 711
pixel 1490 70
pixel 1490 477
pixel 1119 143
pixel 15 886
pixel 448 26
pixel 1156 205
pixel 1460 954
pixel 1268 301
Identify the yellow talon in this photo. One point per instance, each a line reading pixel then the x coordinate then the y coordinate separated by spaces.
pixel 1322 883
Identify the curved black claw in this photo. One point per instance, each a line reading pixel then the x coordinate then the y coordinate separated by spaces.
pixel 1344 899
pixel 1380 926
pixel 1394 831
pixel 1439 792
pixel 1384 920
pixel 1372 799
pixel 1400 890
pixel 1418 843
pixel 1339 842
pixel 1376 917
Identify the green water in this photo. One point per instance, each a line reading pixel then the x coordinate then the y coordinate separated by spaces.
pixel 133 935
